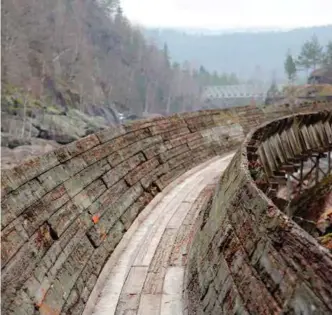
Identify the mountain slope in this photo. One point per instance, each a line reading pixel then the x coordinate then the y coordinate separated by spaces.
pixel 245 54
pixel 68 67
pixel 75 53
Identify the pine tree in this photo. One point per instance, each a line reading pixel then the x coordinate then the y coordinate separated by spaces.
pixel 290 68
pixel 232 79
pixel 327 59
pixel 311 54
pixel 166 55
pixel 111 6
pixel 273 90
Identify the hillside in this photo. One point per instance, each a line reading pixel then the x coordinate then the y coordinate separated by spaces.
pixel 73 67
pixel 78 53
pixel 248 54
pixel 69 67
pixel 86 55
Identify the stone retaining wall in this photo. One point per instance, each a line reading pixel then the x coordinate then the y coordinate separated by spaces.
pixel 64 213
pixel 248 257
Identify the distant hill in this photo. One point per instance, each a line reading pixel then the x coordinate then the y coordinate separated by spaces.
pixel 247 54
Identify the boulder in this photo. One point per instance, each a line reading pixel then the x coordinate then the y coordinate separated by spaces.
pixel 10 141
pixel 108 112
pixel 12 157
pixel 16 127
pixel 67 128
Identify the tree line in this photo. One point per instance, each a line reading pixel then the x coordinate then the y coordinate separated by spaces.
pixel 312 55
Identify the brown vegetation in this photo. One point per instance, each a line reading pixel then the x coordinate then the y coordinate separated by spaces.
pixel 70 66
pixel 80 52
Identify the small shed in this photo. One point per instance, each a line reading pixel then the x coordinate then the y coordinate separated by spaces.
pixel 321 76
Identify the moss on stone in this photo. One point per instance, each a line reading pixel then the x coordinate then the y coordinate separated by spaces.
pixel 326 241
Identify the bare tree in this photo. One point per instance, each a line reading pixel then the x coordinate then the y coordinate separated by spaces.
pixel 86 52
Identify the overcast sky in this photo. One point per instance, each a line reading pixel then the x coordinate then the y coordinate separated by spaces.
pixel 226 14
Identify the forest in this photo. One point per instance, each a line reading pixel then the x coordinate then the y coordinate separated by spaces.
pixel 312 56
pixel 82 54
pixel 73 67
pixel 74 53
pixel 252 56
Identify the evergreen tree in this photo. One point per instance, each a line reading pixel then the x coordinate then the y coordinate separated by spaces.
pixel 166 55
pixel 176 65
pixel 111 6
pixel 223 79
pixel 202 70
pixel 232 79
pixel 311 54
pixel 204 76
pixel 273 90
pixel 327 59
pixel 290 67
pixel 215 78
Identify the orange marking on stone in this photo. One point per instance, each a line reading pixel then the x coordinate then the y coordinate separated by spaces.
pixel 46 309
pixel 43 298
pixel 95 218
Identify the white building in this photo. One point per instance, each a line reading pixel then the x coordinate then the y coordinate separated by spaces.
pixel 234 95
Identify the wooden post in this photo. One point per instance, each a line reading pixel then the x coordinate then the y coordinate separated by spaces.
pixel 317 170
pixel 289 187
pixel 301 176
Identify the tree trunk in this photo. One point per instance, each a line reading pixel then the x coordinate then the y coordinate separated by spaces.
pixel 168 105
pixel 24 116
pixel 146 103
pixel 30 129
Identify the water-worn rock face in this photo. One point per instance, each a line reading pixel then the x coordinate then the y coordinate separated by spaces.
pixel 18 154
pixel 64 213
pixel 22 139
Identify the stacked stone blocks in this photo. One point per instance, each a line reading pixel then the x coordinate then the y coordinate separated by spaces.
pixel 64 213
pixel 248 257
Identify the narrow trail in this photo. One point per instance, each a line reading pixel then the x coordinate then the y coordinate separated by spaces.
pixel 145 273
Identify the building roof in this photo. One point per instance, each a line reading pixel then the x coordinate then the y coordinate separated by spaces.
pixel 322 72
pixel 235 91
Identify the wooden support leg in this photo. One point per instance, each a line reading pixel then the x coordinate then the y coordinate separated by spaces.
pixel 317 170
pixel 301 176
